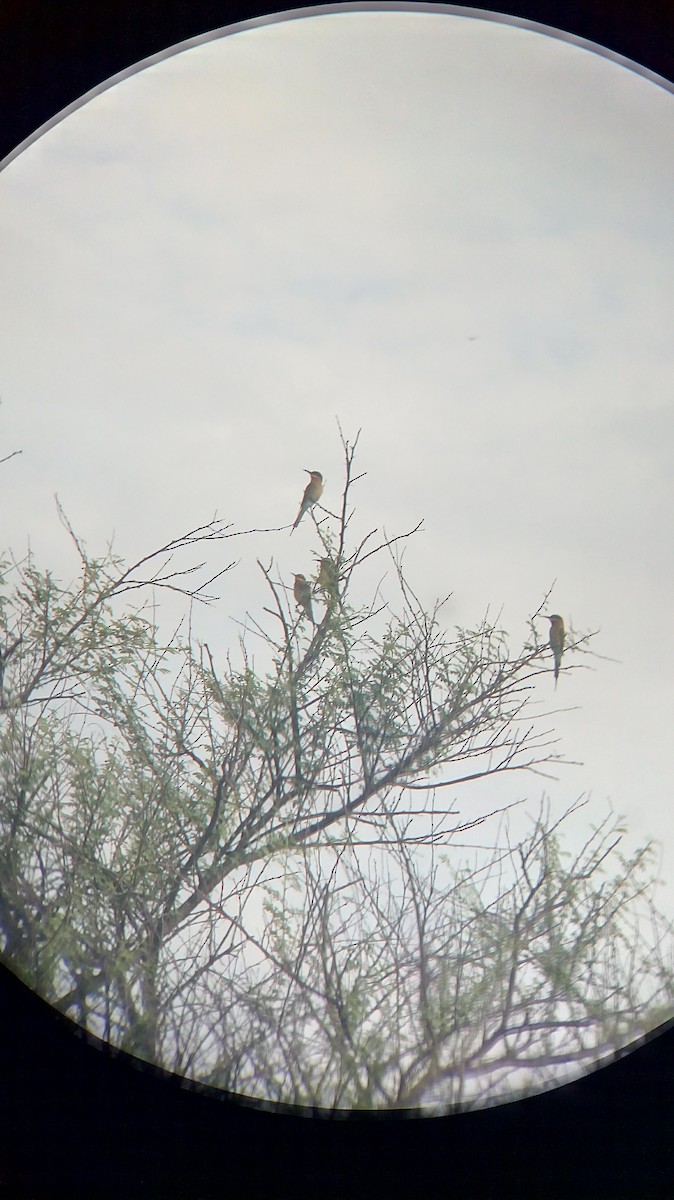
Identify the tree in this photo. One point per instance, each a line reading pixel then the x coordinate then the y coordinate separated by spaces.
pixel 427 987
pixel 244 875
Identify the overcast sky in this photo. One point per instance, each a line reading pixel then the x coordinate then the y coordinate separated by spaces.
pixel 454 233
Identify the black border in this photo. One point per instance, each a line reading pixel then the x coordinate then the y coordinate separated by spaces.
pixel 54 51
pixel 79 1120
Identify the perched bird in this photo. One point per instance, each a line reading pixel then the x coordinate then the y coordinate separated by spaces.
pixel 328 579
pixel 556 641
pixel 302 594
pixel 312 493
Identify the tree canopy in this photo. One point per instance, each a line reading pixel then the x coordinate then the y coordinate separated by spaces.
pixel 251 876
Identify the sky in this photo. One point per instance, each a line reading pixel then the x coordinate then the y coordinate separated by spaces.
pixel 453 234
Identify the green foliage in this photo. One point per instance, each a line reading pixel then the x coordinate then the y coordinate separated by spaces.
pixel 237 874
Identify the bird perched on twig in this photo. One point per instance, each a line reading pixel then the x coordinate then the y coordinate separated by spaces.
pixel 302 594
pixel 328 579
pixel 557 635
pixel 312 494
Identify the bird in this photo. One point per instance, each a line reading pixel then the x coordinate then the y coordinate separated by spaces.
pixel 302 594
pixel 328 578
pixel 312 493
pixel 556 641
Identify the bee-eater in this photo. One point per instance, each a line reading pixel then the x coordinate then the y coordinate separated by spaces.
pixel 312 493
pixel 328 579
pixel 556 641
pixel 302 594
